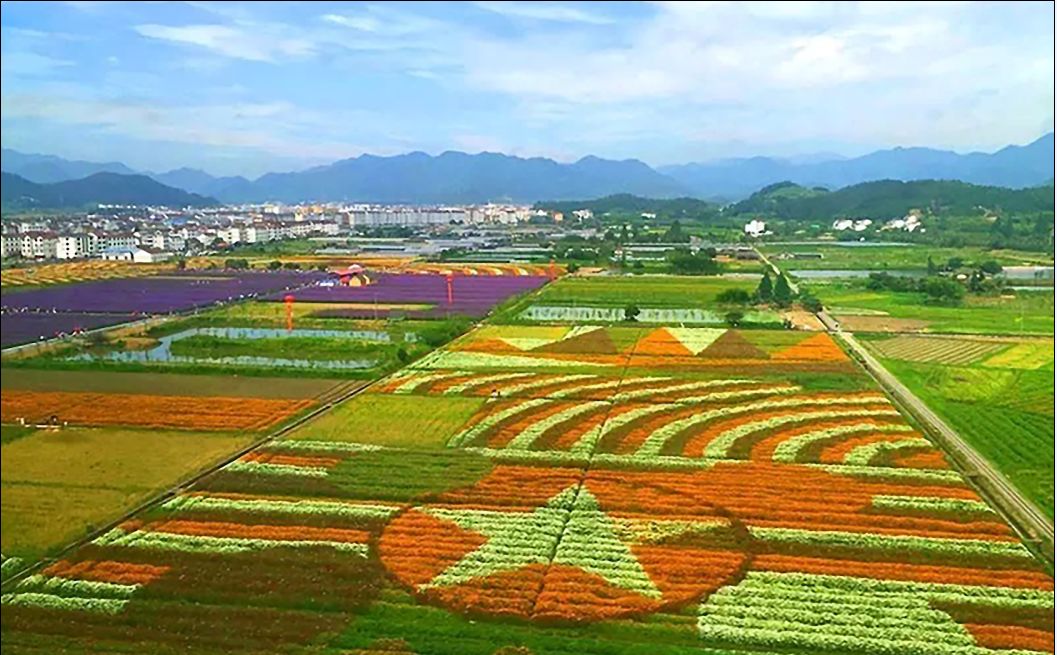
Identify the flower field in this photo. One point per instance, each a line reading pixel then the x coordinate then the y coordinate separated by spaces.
pixel 472 295
pixel 587 349
pixel 456 268
pixel 156 294
pixel 82 271
pixel 148 411
pixel 43 313
pixel 769 499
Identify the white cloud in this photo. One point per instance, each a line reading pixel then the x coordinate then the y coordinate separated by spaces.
pixel 30 64
pixel 545 11
pixel 246 41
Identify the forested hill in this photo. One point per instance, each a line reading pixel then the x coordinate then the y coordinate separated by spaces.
pixel 625 203
pixel 890 199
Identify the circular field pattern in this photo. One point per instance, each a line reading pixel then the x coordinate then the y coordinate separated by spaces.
pixel 573 551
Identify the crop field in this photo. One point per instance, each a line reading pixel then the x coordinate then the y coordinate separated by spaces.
pixel 58 485
pixel 668 351
pixel 69 273
pixel 644 290
pixel 897 257
pixel 999 399
pixel 148 411
pixel 471 295
pixel 56 311
pixel 664 300
pixel 167 384
pixel 458 268
pixel 492 499
pixel 860 309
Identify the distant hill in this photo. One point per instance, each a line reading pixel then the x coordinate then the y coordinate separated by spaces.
pixel 18 193
pixel 1012 166
pixel 198 181
pixel 886 199
pixel 456 177
pixel 45 169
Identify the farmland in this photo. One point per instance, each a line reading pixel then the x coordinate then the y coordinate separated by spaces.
pixel 998 394
pixel 865 310
pixel 530 486
pixel 58 485
pixel 909 257
pixel 658 299
pixel 561 489
pixel 61 310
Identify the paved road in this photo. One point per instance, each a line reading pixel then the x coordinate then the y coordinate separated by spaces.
pixel 1033 524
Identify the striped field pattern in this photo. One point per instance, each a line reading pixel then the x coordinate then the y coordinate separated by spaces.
pixel 757 507
pixel 958 352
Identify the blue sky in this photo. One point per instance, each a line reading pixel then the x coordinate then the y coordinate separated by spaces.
pixel 243 88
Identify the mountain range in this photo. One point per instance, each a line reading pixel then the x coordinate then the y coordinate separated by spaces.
pixel 18 193
pixel 456 177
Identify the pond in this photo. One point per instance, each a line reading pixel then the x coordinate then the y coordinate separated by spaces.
pixel 162 353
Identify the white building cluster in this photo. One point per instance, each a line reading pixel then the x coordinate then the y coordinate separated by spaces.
pixel 155 234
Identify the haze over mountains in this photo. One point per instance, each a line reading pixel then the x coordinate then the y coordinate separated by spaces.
pixel 456 177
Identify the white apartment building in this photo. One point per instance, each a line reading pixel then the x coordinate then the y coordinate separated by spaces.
pixel 229 234
pixel 71 246
pixel 38 245
pixel 11 245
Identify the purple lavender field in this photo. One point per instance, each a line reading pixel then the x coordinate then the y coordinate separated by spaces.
pixel 45 313
pixel 28 327
pixel 161 294
pixel 473 295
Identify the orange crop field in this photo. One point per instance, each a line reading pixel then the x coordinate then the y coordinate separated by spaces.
pixel 187 412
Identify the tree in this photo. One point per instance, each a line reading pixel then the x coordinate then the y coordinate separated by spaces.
pixel 810 303
pixel 783 295
pixel 734 318
pixel 675 234
pixel 930 267
pixel 292 266
pixel 734 297
pixel 954 263
pixel 275 265
pixel 631 313
pixel 766 289
pixel 991 267
pixel 943 291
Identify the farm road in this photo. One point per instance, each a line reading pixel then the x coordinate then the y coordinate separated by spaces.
pixel 1024 514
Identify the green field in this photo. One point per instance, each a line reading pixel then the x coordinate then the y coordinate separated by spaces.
pixel 645 291
pixel 313 348
pixel 902 257
pixel 1026 312
pixel 418 422
pixel 1002 404
pixel 59 485
pixel 265 314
